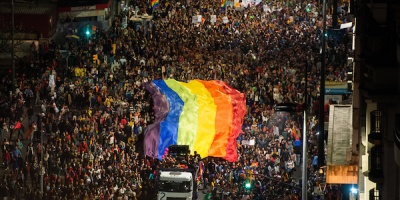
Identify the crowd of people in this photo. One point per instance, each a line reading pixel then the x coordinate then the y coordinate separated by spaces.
pixel 79 122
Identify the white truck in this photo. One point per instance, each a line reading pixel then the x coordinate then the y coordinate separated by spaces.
pixel 176 184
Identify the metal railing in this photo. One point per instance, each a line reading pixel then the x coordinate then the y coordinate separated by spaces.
pixel 374 194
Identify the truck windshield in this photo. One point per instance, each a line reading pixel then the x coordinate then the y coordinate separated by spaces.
pixel 175 186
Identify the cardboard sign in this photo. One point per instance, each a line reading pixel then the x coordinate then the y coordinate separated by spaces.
pixel 194 19
pixel 346 25
pixel 225 19
pixel 248 142
pixel 213 18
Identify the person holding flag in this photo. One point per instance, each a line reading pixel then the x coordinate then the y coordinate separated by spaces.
pixel 18 127
pixel 154 4
pixel 223 5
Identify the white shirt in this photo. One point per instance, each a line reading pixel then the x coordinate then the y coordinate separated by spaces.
pixel 290 164
pixel 264 118
pixel 276 131
pixel 111 140
pixel 276 168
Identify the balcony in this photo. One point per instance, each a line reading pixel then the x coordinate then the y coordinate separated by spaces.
pixel 375 136
pixel 374 194
pixel 376 166
pixel 376 152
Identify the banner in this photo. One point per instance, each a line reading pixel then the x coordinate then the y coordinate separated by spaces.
pixel 336 88
pixel 205 115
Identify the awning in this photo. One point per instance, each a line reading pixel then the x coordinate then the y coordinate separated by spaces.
pixel 336 91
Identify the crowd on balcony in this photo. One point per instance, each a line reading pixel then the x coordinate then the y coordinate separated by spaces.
pixel 86 118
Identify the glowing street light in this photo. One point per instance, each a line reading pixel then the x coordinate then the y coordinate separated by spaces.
pixel 354 190
pixel 247 185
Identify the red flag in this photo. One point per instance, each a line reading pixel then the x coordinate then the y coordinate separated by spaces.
pixel 17 126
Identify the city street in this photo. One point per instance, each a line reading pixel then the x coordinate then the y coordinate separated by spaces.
pixel 25 123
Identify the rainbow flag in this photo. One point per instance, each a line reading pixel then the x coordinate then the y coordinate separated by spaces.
pixel 223 3
pixel 154 3
pixel 206 115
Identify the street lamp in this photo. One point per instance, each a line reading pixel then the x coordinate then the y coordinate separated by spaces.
pixel 247 185
pixel 88 31
pixel 293 107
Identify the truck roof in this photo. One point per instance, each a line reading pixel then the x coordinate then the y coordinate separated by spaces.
pixel 177 170
pixel 175 176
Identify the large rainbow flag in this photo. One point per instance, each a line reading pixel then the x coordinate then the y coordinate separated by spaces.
pixel 206 115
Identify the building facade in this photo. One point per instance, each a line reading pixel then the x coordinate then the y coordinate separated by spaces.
pixel 99 11
pixel 377 97
pixel 35 21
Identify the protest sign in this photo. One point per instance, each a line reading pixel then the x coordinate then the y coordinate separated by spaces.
pixel 225 19
pixel 213 18
pixel 199 18
pixel 194 19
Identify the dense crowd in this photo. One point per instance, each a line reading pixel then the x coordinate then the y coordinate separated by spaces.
pixel 86 119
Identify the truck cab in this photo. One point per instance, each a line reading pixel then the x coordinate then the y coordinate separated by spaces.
pixel 175 184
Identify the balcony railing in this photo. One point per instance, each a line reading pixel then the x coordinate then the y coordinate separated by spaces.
pixel 375 135
pixel 374 194
pixel 376 153
pixel 376 164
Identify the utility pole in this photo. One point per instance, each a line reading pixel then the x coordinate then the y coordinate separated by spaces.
pixel 293 107
pixel 12 46
pixel 41 162
pixel 321 113
pixel 304 176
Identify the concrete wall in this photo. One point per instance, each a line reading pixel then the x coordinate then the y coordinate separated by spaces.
pixel 368 185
